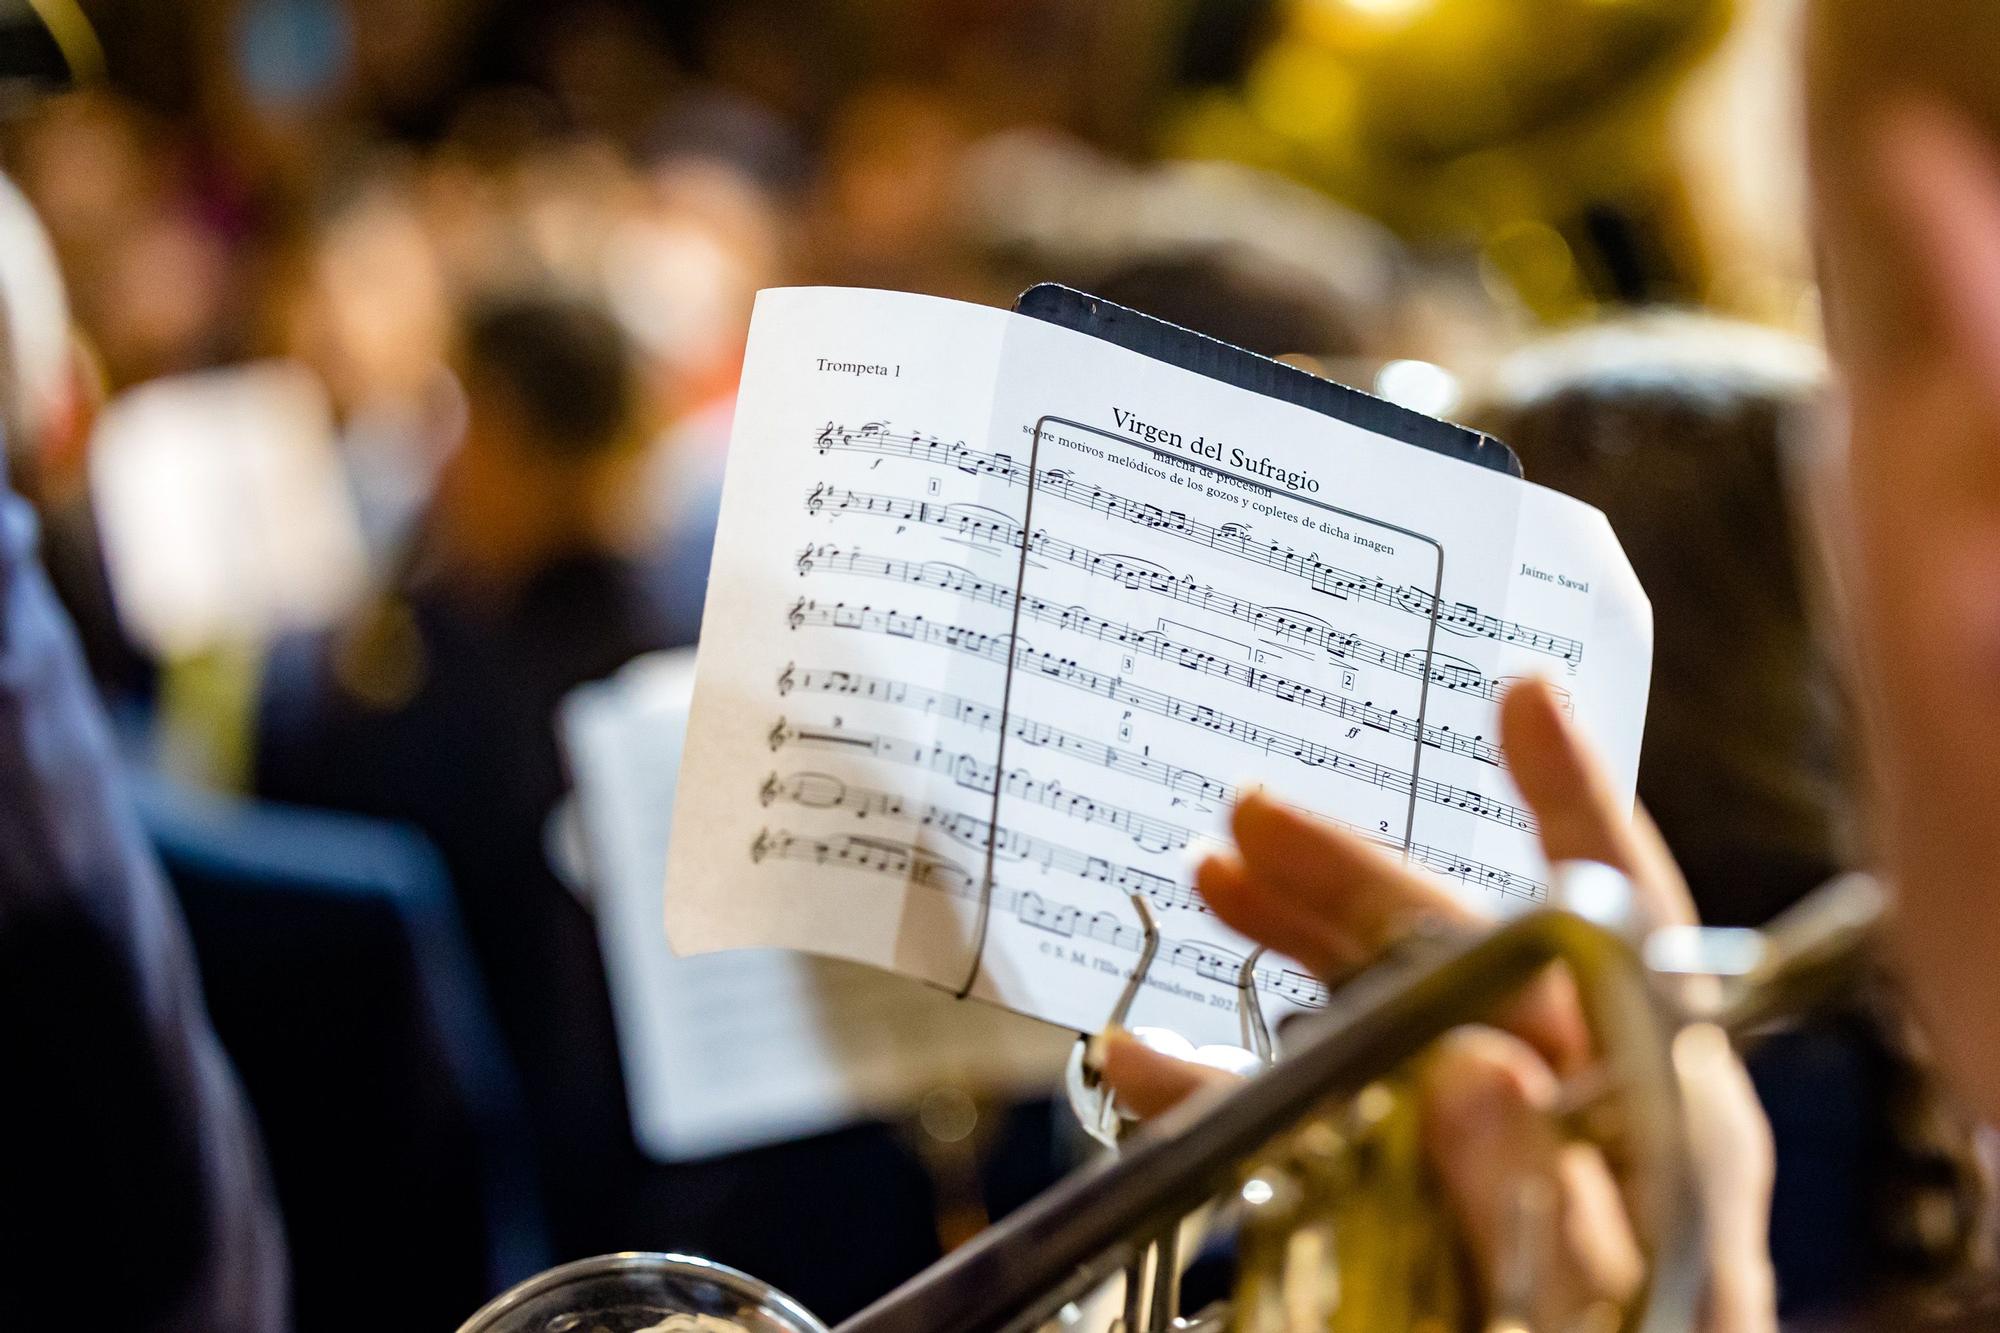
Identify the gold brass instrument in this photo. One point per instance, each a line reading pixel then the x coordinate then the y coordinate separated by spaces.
pixel 1317 1162
pixel 1517 131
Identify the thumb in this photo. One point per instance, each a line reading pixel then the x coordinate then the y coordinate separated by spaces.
pixel 1730 1141
pixel 1147 1082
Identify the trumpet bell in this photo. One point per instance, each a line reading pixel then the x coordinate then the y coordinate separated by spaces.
pixel 643 1293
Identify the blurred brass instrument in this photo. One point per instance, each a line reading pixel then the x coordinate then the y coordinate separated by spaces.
pixel 1317 1162
pixel 1536 132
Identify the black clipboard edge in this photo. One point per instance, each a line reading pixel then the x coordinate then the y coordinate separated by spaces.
pixel 1149 336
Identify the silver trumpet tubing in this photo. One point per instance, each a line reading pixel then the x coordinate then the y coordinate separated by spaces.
pixel 1338 1226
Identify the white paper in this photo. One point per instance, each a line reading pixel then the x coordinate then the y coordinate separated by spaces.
pixel 224 511
pixel 733 1051
pixel 1218 587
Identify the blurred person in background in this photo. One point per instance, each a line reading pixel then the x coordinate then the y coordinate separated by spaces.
pixel 1242 298
pixel 436 703
pixel 1231 251
pixel 714 222
pixel 363 299
pixel 136 1191
pixel 1903 113
pixel 1677 427
pixel 48 421
pixel 886 209
pixel 150 241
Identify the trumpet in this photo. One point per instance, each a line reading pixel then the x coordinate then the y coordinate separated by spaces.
pixel 1317 1163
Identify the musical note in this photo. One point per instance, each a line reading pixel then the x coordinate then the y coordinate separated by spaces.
pixel 1156 644
pixel 1135 575
pixel 902 860
pixel 819 791
pixel 1151 834
pixel 986 717
pixel 1233 539
pixel 984 524
pixel 995 648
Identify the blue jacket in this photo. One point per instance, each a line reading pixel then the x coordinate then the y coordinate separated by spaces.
pixel 133 1193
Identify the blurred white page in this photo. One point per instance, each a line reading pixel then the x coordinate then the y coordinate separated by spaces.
pixel 223 507
pixel 908 644
pixel 733 1051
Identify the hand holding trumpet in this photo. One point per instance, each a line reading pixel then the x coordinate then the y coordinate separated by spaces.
pixel 1541 1213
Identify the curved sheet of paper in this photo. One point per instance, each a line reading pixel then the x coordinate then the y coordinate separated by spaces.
pixel 987 584
pixel 730 1051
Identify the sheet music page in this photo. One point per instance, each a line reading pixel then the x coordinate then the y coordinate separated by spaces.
pixel 1003 616
pixel 736 1050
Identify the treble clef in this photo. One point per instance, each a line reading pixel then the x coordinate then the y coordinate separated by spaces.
pixel 806 561
pixel 825 440
pixel 760 848
pixel 785 679
pixel 817 499
pixel 780 734
pixel 770 790
pixel 797 615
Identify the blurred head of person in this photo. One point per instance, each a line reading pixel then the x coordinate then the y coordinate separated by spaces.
pixel 554 417
pixel 358 293
pixel 150 271
pixel 1904 127
pixel 708 228
pixel 887 206
pixel 49 396
pixel 1230 250
pixel 1228 292
pixel 368 307
pixel 41 384
pixel 1673 426
pixel 609 65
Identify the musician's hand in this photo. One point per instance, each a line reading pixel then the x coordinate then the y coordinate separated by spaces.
pixel 1335 901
